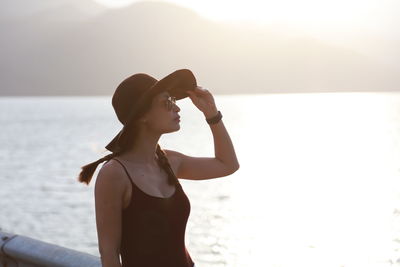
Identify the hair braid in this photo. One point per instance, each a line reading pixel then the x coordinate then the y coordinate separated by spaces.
pixel 164 163
pixel 87 171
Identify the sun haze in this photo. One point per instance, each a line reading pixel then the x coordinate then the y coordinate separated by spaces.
pixel 311 15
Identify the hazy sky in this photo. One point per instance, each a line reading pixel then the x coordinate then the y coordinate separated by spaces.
pixel 377 17
pixel 320 45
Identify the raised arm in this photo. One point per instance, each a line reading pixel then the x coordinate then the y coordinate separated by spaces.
pixel 109 191
pixel 224 161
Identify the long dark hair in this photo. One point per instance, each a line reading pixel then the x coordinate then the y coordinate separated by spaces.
pixel 86 174
pixel 88 170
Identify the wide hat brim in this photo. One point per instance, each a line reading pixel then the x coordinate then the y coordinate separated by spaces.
pixel 176 84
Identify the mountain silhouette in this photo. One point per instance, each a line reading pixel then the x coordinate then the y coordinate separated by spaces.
pixel 20 9
pixel 61 51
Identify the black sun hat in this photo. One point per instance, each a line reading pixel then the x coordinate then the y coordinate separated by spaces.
pixel 136 93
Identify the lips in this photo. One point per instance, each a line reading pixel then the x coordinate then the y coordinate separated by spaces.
pixel 177 118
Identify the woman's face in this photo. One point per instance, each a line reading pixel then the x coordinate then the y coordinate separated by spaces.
pixel 162 117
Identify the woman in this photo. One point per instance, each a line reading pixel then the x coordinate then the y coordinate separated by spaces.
pixel 141 208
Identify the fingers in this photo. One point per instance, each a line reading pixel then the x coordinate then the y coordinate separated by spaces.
pixel 201 89
pixel 192 95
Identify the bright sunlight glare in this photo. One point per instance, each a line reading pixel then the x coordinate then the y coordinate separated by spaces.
pixel 341 12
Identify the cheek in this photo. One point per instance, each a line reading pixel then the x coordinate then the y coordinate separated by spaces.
pixel 160 119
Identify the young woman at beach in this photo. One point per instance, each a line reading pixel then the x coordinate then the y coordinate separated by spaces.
pixel 141 208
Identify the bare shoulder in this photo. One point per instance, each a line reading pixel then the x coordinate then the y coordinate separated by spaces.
pixel 174 158
pixel 111 178
pixel 172 154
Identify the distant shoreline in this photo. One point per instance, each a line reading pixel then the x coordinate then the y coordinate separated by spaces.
pixel 226 94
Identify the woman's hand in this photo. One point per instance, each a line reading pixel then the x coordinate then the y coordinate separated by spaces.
pixel 204 101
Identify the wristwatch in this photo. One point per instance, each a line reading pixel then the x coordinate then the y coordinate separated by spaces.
pixel 215 119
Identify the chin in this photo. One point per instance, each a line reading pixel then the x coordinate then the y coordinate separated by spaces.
pixel 178 127
pixel 174 129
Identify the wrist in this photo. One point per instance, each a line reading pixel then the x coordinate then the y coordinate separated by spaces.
pixel 215 119
pixel 211 114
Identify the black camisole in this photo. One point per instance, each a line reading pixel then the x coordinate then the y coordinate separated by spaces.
pixel 153 229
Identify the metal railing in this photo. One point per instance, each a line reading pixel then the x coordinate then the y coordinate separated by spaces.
pixel 23 251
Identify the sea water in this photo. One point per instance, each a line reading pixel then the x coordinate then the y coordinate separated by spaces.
pixel 318 183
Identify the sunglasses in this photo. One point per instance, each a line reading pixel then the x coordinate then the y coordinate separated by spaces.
pixel 170 102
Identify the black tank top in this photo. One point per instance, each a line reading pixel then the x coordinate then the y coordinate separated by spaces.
pixel 153 229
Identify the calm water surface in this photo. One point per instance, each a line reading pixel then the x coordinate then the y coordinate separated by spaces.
pixel 318 183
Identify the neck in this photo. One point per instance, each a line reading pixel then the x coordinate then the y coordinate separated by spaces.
pixel 144 150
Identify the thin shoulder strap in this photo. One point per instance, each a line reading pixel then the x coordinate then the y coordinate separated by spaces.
pixel 130 179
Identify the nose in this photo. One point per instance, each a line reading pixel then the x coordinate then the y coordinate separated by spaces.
pixel 176 107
